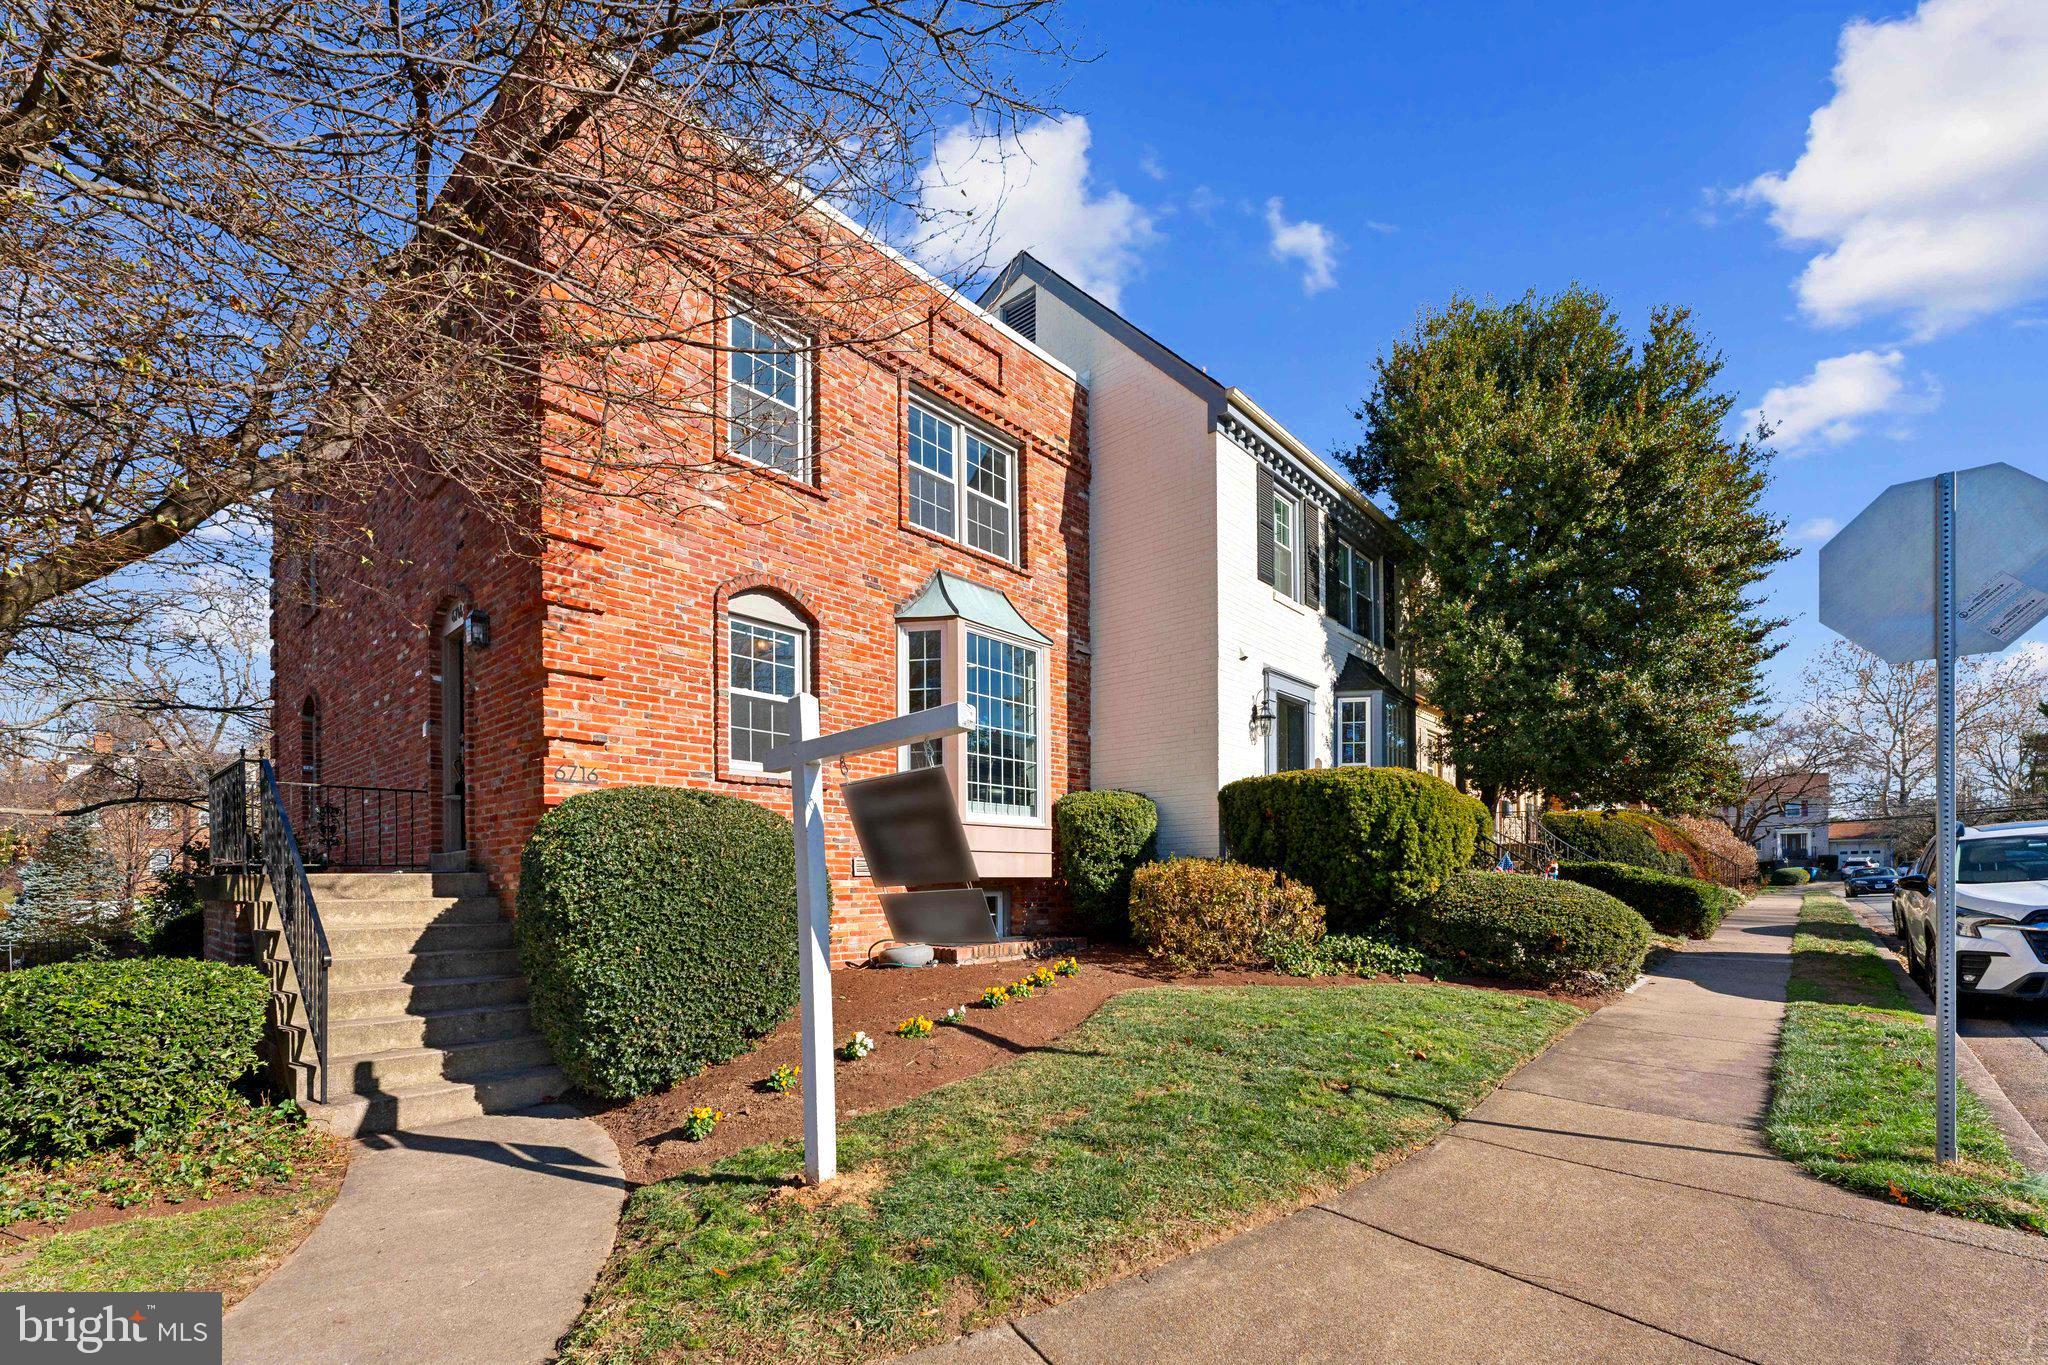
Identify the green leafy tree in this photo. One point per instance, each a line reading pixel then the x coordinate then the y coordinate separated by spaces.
pixel 72 901
pixel 1590 539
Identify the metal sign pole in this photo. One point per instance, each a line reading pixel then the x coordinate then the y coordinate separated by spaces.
pixel 1945 819
pixel 814 940
pixel 804 759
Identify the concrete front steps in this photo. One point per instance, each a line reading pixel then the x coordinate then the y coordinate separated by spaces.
pixel 426 1010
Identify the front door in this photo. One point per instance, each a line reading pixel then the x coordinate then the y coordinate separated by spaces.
pixel 454 838
pixel 1290 742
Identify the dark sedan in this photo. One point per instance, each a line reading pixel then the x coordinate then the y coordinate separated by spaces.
pixel 1870 881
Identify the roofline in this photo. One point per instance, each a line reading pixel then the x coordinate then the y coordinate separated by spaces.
pixel 926 277
pixel 1317 465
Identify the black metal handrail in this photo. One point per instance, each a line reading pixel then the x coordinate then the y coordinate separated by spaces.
pixel 285 872
pixel 232 842
pixel 352 826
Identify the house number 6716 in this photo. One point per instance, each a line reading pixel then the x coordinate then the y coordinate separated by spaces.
pixel 578 775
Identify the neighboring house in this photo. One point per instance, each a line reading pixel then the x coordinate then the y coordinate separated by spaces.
pixel 894 526
pixel 1243 595
pixel 1871 839
pixel 1787 818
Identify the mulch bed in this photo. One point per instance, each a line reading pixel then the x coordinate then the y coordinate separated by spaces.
pixel 648 1130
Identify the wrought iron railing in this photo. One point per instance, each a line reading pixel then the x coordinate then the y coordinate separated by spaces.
pixel 232 843
pixel 285 873
pixel 1528 843
pixel 343 826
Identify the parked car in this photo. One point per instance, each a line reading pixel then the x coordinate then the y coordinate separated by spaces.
pixel 2001 911
pixel 1868 879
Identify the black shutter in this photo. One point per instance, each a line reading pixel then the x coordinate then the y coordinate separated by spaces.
pixel 1312 554
pixel 1265 496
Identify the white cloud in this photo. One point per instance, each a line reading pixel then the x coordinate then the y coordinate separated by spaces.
pixel 1925 179
pixel 1814 530
pixel 1839 398
pixel 1314 245
pixel 1149 164
pixel 983 199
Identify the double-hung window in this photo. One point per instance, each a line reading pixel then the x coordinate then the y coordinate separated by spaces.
pixel 963 484
pixel 1354 589
pixel 1286 543
pixel 1003 748
pixel 767 402
pixel 768 667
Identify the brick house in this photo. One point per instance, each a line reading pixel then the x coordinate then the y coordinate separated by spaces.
pixel 889 526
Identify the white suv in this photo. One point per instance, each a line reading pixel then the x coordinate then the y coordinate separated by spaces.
pixel 2001 911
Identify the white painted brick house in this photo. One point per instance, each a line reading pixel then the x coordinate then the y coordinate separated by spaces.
pixel 1242 592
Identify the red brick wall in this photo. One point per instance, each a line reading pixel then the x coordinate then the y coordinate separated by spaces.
pixel 607 663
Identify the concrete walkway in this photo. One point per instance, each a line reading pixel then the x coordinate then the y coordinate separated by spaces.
pixel 474 1242
pixel 1614 1200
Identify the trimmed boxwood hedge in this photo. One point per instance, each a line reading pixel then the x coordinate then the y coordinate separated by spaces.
pixel 1615 836
pixel 1370 842
pixel 1100 838
pixel 1532 931
pixel 1790 876
pixel 1672 905
pixel 99 1054
pixel 657 927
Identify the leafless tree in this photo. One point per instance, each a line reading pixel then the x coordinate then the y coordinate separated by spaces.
pixel 277 255
pixel 1774 761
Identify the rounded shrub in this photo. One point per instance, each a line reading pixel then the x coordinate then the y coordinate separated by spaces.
pixel 1199 913
pixel 99 1054
pixel 1616 836
pixel 1531 931
pixel 1100 839
pixel 1672 905
pixel 1370 842
pixel 1790 876
pixel 657 927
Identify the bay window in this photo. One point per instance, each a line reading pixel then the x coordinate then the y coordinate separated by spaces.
pixel 1002 750
pixel 963 483
pixel 1355 727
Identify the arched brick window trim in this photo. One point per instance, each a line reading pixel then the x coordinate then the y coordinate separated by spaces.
pixel 799 603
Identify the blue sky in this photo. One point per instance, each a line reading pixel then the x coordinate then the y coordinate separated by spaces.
pixel 1416 150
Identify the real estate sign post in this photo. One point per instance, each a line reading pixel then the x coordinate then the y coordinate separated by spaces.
pixel 1935 569
pixel 804 759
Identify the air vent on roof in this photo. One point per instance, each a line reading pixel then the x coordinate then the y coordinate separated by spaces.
pixel 1020 314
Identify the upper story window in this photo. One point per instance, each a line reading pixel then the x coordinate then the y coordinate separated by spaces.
pixel 963 484
pixel 1286 542
pixel 769 649
pixel 768 422
pixel 1353 598
pixel 1795 809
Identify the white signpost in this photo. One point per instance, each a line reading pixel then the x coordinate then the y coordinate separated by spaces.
pixel 1935 569
pixel 803 758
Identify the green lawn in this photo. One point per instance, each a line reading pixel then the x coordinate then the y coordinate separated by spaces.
pixel 226 1249
pixel 1853 1088
pixel 1168 1118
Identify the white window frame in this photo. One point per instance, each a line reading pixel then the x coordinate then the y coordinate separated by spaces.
pixel 799 350
pixel 962 493
pixel 1374 704
pixel 953 632
pixel 998 909
pixel 1279 685
pixel 1286 580
pixel 758 620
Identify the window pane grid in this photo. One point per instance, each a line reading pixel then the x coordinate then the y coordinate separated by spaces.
pixel 1002 750
pixel 924 657
pixel 766 399
pixel 956 477
pixel 1283 544
pixel 765 664
pixel 1354 730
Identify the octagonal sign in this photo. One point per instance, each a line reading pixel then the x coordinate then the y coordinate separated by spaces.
pixel 1877 576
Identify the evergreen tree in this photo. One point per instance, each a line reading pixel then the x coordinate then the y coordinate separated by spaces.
pixel 71 902
pixel 1589 542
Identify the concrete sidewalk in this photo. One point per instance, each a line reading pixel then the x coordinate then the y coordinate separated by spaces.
pixel 472 1242
pixel 1614 1200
